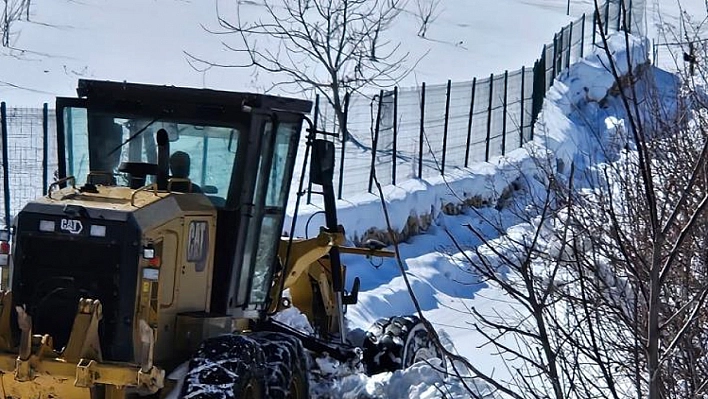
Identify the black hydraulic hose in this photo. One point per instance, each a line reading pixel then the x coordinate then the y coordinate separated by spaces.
pixel 307 225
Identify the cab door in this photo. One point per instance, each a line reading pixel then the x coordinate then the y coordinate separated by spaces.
pixel 263 211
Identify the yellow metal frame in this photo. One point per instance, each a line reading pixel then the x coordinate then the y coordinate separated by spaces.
pixel 307 265
pixel 37 371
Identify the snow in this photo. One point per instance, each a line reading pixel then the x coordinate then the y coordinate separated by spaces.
pixel 293 318
pixel 440 278
pixel 146 41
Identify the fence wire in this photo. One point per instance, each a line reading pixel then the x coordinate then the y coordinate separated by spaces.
pixel 402 134
pixel 28 175
pixel 453 125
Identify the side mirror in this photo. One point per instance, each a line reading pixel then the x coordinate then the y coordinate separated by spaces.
pixel 322 166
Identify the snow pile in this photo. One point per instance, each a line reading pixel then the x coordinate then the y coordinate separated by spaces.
pixel 483 183
pixel 587 81
pixel 444 284
pixel 295 319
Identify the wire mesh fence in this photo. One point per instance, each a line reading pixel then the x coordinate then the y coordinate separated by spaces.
pixel 622 15
pixel 29 156
pixel 399 134
pixel 422 131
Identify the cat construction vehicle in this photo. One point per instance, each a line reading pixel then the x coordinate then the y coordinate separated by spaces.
pixel 160 246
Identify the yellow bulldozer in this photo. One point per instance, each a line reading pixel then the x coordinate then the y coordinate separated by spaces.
pixel 160 245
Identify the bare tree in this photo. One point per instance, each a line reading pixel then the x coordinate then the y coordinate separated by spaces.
pixel 427 14
pixel 334 47
pixel 13 10
pixel 609 275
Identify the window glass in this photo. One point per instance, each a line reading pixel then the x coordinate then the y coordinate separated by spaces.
pixel 210 149
pixel 279 174
pixel 275 197
pixel 270 234
pixel 76 142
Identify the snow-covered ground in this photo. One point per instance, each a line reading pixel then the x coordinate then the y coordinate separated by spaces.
pixel 443 282
pixel 145 41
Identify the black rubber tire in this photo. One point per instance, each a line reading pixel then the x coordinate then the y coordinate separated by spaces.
pixel 286 368
pixel 397 343
pixel 226 367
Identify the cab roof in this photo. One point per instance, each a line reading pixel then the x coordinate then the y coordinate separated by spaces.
pixel 202 103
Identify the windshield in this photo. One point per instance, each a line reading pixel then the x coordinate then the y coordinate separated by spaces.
pixel 210 150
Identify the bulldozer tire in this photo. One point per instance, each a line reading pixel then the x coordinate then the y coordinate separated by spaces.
pixel 397 343
pixel 286 374
pixel 226 367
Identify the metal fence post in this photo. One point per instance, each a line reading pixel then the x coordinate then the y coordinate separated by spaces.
pixel 655 50
pixel 523 100
pixel 582 38
pixel 314 126
pixel 447 118
pixel 395 135
pixel 555 51
pixel 422 131
pixel 45 146
pixel 68 120
pixel 205 156
pixel 538 90
pixel 540 70
pixel 375 142
pixel 594 25
pixel 607 17
pixel 489 117
pixel 504 111
pixel 5 166
pixel 559 54
pixel 469 123
pixel 570 46
pixel 345 135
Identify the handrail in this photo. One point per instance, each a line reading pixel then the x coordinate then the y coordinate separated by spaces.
pixel 60 182
pixel 152 186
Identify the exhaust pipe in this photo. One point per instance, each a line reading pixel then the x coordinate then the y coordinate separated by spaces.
pixel 163 159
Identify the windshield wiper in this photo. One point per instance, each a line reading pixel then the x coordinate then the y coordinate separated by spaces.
pixel 136 134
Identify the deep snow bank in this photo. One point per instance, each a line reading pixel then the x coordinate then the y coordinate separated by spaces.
pixel 586 85
pixel 414 204
pixel 440 279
